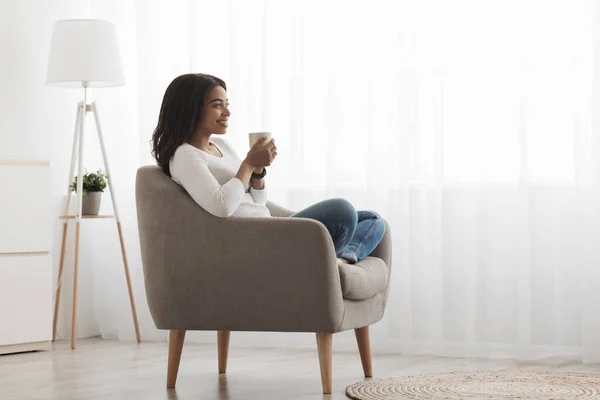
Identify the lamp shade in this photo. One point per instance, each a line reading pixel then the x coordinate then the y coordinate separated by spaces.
pixel 84 53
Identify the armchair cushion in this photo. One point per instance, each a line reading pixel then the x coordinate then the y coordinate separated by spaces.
pixel 364 279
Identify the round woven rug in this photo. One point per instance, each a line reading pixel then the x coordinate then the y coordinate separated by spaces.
pixel 481 385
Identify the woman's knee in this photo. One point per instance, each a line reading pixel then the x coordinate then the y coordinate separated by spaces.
pixel 345 210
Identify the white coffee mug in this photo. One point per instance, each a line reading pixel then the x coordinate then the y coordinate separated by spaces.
pixel 255 136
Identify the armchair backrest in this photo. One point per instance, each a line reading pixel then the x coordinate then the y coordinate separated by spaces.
pixel 156 196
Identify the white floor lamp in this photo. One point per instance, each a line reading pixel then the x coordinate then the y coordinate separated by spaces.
pixel 84 53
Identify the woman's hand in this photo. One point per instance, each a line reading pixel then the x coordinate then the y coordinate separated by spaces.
pixel 261 155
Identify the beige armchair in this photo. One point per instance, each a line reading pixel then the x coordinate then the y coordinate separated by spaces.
pixel 251 274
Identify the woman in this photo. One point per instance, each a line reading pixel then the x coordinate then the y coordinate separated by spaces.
pixel 188 147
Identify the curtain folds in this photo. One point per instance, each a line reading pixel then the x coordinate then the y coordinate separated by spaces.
pixel 471 126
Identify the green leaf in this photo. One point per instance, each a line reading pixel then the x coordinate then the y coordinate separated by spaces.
pixel 92 182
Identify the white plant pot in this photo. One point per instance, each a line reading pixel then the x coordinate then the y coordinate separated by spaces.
pixel 91 203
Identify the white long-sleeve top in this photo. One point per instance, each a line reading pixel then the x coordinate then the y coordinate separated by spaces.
pixel 210 180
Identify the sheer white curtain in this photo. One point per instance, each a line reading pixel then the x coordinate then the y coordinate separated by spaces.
pixel 470 126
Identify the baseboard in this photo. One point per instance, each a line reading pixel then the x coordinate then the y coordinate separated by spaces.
pixel 24 347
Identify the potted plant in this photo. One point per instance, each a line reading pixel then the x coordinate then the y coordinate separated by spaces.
pixel 94 184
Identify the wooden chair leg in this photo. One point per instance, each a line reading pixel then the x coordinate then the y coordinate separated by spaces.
pixel 176 338
pixel 364 348
pixel 325 360
pixel 223 349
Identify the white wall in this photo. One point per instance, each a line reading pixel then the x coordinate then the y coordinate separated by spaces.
pixel 36 122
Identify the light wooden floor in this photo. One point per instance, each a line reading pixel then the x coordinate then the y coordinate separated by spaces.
pixel 125 370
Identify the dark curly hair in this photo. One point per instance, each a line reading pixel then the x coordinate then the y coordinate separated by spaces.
pixel 180 113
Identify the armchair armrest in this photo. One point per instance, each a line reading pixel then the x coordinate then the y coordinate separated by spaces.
pixel 255 274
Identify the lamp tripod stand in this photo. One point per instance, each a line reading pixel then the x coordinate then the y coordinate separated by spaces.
pixel 77 156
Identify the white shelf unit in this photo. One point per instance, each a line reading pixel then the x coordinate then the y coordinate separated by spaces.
pixel 25 258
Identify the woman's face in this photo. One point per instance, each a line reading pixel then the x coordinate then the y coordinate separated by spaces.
pixel 215 112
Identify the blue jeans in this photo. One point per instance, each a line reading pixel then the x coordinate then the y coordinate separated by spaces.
pixel 355 234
